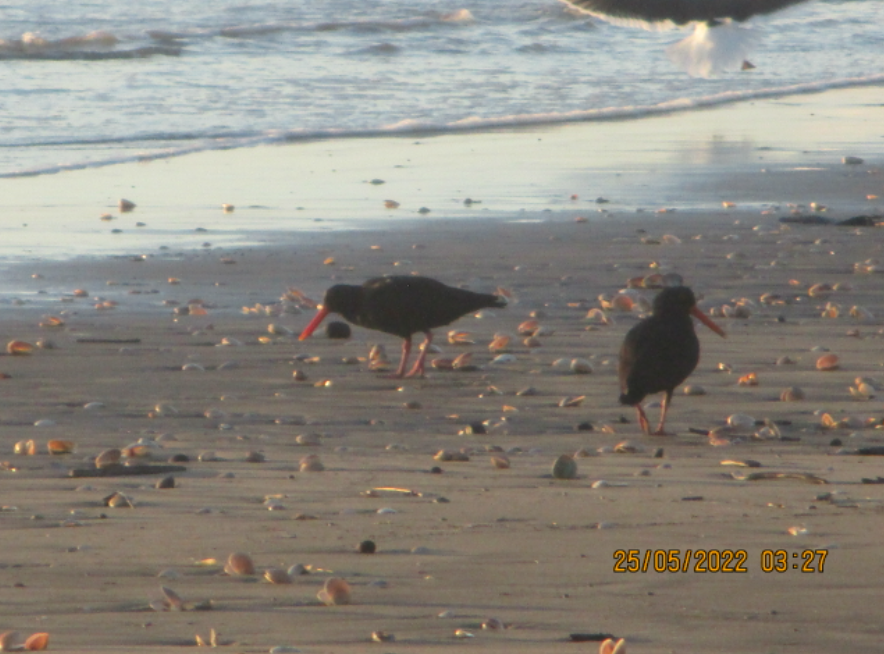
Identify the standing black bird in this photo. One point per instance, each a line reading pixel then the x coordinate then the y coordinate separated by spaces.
pixel 718 42
pixel 661 351
pixel 402 305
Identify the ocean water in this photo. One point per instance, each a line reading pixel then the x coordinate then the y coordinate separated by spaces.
pixel 97 84
pixel 90 83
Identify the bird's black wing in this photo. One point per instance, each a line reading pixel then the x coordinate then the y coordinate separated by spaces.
pixel 678 12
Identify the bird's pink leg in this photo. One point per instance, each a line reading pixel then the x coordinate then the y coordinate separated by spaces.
pixel 418 370
pixel 663 410
pixel 642 419
pixel 406 350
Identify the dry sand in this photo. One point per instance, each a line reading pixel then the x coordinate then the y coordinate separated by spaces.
pixel 517 545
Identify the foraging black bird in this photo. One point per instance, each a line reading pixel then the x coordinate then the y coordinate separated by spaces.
pixel 718 43
pixel 402 305
pixel 661 351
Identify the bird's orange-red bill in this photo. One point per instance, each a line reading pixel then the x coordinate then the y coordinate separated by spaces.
pixel 706 320
pixel 317 319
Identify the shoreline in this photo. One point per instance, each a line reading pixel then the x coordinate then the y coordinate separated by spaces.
pixel 772 152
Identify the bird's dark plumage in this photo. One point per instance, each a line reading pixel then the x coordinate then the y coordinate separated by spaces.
pixel 661 351
pixel 681 12
pixel 402 305
pixel 718 43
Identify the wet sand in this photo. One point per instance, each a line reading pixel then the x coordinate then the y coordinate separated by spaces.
pixel 472 542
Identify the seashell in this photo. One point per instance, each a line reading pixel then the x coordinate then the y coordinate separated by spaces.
pixel 91 406
pixel 503 359
pixel 239 564
pixel 311 463
pixel 254 457
pixel 125 205
pixel 108 458
pixel 622 303
pixel 37 642
pixel 190 367
pixel 750 379
pixel 861 313
pixel 797 531
pixel 391 204
pixel 173 600
pixel 11 641
pixel 45 422
pixel 611 646
pixel 57 446
pixel 299 375
pixel 335 592
pixel 792 394
pixel 499 343
pixel 278 330
pixel 500 462
pixel 80 292
pixel 628 447
pixel 493 624
pixel 820 290
pixel 572 401
pixel 382 637
pixel 307 439
pixel 694 389
pixel 227 208
pixel 862 391
pixel 25 447
pixel 532 341
pixel 448 455
pixel 598 316
pixel 565 467
pixel 785 361
pixel 51 322
pixel 165 410
pixel 443 363
pixel 463 362
pixel 211 641
pixel 741 421
pixel 529 327
pixel 277 576
pixel 581 366
pixel 19 348
pixel 831 310
pixel 828 362
pixel 117 500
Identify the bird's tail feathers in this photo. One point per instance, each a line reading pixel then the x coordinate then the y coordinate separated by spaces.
pixel 709 51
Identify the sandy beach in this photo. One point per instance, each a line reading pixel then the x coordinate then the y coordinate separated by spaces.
pixel 457 548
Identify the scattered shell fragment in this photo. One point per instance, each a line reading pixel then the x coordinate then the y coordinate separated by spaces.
pixel 792 394
pixel 277 576
pixel 239 564
pixel 565 467
pixel 628 447
pixel 118 500
pixel 862 390
pixel 211 641
pixel 694 389
pixel 612 646
pixel 57 446
pixel 28 447
pixel 460 338
pixel 797 531
pixel 335 592
pixel 500 343
pixel 828 362
pixel 572 401
pixel 382 637
pixel 581 366
pixel 311 463
pixel 19 348
pixel 172 599
pixel 108 458
pixel 741 421
pixel 500 462
pixel 125 205
pixel 750 379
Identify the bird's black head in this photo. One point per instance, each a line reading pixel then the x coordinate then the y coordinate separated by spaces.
pixel 344 299
pixel 676 300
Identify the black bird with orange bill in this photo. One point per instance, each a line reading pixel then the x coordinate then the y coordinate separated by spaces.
pixel 402 305
pixel 661 351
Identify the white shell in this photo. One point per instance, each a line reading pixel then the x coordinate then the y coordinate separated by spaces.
pixel 741 421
